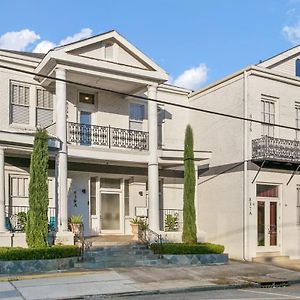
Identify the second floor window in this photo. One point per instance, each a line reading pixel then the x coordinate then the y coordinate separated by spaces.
pixel 297 110
pixel 44 108
pixel 136 116
pixel 297 67
pixel 268 116
pixel 19 101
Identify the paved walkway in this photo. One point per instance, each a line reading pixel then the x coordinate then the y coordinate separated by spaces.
pixel 139 280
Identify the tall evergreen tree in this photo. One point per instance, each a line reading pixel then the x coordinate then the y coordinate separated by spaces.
pixel 37 219
pixel 189 234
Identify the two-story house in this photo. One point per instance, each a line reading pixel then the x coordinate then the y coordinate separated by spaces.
pixel 250 190
pixel 113 156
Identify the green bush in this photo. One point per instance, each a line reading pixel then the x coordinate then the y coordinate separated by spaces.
pixel 7 253
pixel 180 248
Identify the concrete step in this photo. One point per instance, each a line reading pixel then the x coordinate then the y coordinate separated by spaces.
pixel 271 259
pixel 121 258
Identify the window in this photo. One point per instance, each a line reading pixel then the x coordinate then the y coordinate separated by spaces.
pixel 297 110
pixel 136 116
pixel 110 183
pixel 93 182
pixel 44 108
pixel 87 98
pixel 267 190
pixel 297 67
pixel 160 121
pixel 19 100
pixel 268 116
pixel 126 197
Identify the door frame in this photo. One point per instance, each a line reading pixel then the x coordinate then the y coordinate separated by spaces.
pixel 267 200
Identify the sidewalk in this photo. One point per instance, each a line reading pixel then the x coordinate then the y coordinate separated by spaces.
pixel 139 280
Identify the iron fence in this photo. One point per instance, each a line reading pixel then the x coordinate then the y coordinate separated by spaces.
pixel 276 149
pixel 107 136
pixel 171 219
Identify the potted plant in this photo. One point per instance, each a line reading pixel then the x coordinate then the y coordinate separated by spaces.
pixel 75 223
pixel 135 224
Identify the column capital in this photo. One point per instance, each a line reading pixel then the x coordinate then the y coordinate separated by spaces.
pixel 60 72
pixel 152 87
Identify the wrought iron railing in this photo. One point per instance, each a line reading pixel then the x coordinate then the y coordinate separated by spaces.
pixel 16 217
pixel 276 149
pixel 171 219
pixel 107 136
pixel 148 236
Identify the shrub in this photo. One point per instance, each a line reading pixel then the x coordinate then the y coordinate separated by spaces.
pixel 7 253
pixel 75 219
pixel 181 248
pixel 171 222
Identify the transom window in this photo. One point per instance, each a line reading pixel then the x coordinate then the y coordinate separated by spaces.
pixel 267 190
pixel 268 116
pixel 86 98
pixel 19 100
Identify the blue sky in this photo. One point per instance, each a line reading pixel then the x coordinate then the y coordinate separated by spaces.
pixel 205 40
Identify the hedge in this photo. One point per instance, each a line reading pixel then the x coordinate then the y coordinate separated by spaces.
pixel 181 248
pixel 7 253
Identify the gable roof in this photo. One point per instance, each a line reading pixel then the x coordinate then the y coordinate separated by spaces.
pixel 24 53
pixel 278 58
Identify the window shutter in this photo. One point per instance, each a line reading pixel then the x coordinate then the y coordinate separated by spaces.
pixel 44 111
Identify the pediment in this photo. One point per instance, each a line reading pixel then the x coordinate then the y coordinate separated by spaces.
pixel 110 47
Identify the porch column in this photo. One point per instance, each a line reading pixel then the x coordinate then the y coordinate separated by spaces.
pixel 61 132
pixel 2 192
pixel 153 161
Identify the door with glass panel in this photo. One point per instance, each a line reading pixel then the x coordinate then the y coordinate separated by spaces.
pixel 111 206
pixel 268 229
pixel 85 128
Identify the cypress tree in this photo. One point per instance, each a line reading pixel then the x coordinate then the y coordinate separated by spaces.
pixel 37 220
pixel 189 233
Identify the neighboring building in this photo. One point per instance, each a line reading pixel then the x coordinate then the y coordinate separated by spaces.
pixel 114 156
pixel 249 193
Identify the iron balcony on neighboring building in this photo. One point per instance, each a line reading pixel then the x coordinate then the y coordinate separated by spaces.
pixel 269 148
pixel 107 136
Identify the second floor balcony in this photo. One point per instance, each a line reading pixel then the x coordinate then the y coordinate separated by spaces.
pixel 269 148
pixel 107 136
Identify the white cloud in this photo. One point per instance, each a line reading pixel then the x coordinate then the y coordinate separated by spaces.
pixel 18 40
pixel 83 34
pixel 45 46
pixel 292 33
pixel 192 78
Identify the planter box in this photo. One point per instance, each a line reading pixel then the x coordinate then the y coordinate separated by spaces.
pixel 36 266
pixel 196 259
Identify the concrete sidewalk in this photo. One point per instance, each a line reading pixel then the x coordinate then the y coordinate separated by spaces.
pixel 140 280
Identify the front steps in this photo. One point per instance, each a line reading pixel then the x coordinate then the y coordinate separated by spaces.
pixel 271 259
pixel 102 255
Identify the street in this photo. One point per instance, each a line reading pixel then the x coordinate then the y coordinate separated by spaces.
pixel 291 292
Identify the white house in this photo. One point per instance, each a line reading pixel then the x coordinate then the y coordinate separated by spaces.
pixel 250 189
pixel 112 156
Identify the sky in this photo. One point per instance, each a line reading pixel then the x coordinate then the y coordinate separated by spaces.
pixel 195 41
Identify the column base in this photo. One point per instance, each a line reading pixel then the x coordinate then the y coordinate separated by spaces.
pixel 64 238
pixel 5 239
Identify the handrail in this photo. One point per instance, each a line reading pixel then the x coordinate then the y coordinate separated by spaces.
pixel 148 236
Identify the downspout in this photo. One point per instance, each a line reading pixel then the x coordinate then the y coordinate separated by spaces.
pixel 245 170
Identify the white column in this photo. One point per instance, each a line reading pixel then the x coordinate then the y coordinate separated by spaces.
pixel 153 161
pixel 61 132
pixel 2 192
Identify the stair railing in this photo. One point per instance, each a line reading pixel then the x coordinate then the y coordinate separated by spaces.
pixel 148 236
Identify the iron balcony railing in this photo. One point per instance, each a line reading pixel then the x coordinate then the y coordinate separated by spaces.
pixel 171 219
pixel 107 136
pixel 276 149
pixel 16 217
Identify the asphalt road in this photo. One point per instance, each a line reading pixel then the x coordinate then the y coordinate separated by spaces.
pixel 291 292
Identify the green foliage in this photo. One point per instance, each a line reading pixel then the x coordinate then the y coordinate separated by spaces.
pixel 143 225
pixel 37 218
pixel 135 220
pixel 171 222
pixel 189 233
pixel 7 253
pixel 180 248
pixel 75 219
pixel 22 217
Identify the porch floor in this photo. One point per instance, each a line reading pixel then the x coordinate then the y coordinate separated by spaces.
pixel 110 240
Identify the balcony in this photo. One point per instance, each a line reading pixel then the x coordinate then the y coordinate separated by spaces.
pixel 107 136
pixel 269 148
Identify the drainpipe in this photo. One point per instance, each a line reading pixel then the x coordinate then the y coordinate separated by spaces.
pixel 245 170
